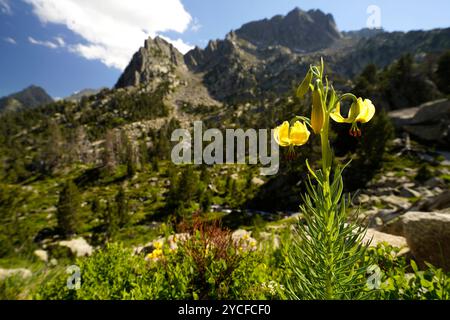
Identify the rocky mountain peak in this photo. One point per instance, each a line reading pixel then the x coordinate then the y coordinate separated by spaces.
pixel 157 61
pixel 30 97
pixel 301 31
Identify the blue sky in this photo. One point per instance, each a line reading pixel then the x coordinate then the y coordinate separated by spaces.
pixel 67 47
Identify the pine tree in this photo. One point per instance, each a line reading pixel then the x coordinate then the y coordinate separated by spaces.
pixel 143 154
pixel 68 209
pixel 52 152
pixel 128 155
pixel 206 201
pixel 442 73
pixel 109 154
pixel 96 207
pixel 155 164
pixel 204 174
pixel 162 146
pixel 183 191
pixel 131 166
pixel 111 221
pixel 228 185
pixel 187 188
pixel 122 208
pixel 79 146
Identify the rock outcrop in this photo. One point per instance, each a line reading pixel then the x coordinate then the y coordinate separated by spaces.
pixel 429 122
pixel 428 237
pixel 376 237
pixel 78 247
pixel 21 272
pixel 41 255
pixel 157 61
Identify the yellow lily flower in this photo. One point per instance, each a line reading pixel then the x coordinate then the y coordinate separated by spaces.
pixel 287 136
pixel 362 111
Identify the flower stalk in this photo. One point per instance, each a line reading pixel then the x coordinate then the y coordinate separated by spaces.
pixel 327 258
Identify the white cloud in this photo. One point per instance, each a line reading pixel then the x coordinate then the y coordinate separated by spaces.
pixel 57 43
pixel 60 41
pixel 114 29
pixel 5 7
pixel 48 44
pixel 196 26
pixel 10 40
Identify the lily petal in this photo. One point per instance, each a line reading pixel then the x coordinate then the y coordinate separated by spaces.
pixel 355 110
pixel 336 115
pixel 299 134
pixel 281 134
pixel 367 112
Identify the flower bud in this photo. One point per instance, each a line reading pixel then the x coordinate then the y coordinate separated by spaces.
pixel 304 86
pixel 317 115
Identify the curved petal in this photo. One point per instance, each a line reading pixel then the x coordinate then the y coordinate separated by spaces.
pixel 336 115
pixel 355 110
pixel 281 134
pixel 367 112
pixel 299 134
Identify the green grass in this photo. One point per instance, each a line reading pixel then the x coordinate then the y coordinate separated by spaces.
pixel 445 177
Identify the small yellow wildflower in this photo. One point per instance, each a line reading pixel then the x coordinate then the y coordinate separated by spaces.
pixel 155 254
pixel 158 245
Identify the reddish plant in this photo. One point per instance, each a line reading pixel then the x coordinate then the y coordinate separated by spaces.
pixel 210 243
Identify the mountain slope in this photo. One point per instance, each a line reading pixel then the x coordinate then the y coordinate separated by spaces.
pixel 85 93
pixel 383 48
pixel 31 97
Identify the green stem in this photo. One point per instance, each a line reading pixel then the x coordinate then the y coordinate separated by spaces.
pixel 326 169
pixel 326 155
